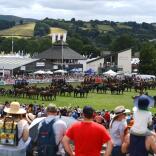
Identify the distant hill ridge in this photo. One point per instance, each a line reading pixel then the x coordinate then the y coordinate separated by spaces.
pixel 92 36
pixel 16 19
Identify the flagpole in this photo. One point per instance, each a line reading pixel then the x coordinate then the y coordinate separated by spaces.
pixel 62 54
pixel 3 72
pixel 12 50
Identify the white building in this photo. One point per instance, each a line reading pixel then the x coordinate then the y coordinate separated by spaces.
pixel 58 34
pixel 93 63
pixel 124 61
pixel 115 61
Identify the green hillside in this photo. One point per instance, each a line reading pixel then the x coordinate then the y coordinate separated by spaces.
pixel 123 26
pixel 24 30
pixel 105 28
pixel 90 38
pixel 16 19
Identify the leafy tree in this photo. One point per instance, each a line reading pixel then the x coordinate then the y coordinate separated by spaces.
pixel 6 45
pixel 32 47
pixel 21 22
pixel 121 43
pixel 73 20
pixel 41 29
pixel 90 51
pixel 6 24
pixel 148 59
pixel 76 44
pixel 104 39
pixel 21 45
pixel 44 43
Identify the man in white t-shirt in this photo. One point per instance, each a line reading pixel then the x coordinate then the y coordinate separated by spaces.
pixel 139 132
pixel 142 116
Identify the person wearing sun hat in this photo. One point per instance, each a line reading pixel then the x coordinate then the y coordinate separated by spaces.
pixel 19 114
pixel 140 140
pixel 142 116
pixel 30 117
pixel 117 127
pixel 142 120
pixel 14 108
pixel 15 111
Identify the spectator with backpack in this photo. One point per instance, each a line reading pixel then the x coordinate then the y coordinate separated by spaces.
pixel 50 133
pixel 14 130
pixel 19 115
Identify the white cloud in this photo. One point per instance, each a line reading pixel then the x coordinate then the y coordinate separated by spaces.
pixel 117 10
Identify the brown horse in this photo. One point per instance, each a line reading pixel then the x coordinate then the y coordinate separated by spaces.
pixel 48 94
pixel 19 91
pixel 32 93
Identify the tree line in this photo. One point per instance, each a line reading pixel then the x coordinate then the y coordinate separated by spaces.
pixel 6 24
pixel 26 46
pixel 88 39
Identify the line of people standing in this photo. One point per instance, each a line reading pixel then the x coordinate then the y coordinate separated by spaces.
pixel 85 137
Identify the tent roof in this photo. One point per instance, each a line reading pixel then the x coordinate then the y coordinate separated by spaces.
pixel 60 71
pixel 10 63
pixel 40 72
pixel 110 72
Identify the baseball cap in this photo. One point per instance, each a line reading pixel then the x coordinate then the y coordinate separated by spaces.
pixel 88 110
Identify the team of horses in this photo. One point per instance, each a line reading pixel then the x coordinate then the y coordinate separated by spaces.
pixel 61 88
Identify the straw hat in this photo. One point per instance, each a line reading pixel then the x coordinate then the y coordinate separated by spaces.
pixel 30 117
pixel 120 110
pixel 14 108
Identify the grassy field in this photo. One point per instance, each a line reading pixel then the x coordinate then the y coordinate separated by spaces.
pixel 101 27
pixel 122 26
pixel 98 101
pixel 25 30
pixel 105 28
pixel 57 30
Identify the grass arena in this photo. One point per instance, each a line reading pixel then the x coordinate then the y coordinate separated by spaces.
pixel 98 101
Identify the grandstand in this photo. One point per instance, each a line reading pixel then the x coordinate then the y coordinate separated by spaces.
pixel 10 65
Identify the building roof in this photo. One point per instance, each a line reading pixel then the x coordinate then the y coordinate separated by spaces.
pixel 54 30
pixel 55 53
pixel 10 63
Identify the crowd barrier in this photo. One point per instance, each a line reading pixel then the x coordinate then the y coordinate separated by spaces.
pixel 2 83
pixel 37 81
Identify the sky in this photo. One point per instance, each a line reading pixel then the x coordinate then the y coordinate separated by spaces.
pixel 112 10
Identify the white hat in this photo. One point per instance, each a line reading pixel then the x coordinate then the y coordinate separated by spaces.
pixel 30 117
pixel 120 110
pixel 14 108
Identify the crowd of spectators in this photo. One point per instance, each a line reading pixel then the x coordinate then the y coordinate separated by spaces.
pixel 117 122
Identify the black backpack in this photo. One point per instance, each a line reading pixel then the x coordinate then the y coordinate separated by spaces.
pixel 46 142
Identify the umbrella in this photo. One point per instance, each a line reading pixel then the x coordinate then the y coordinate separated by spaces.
pixel 39 72
pixel 60 71
pixel 76 70
pixel 49 72
pixel 110 72
pixel 90 71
